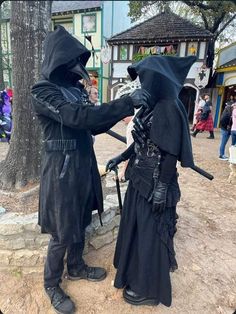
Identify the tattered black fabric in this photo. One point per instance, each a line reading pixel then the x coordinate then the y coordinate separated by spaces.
pixel 144 253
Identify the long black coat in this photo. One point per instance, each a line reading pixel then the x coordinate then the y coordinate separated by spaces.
pixel 70 182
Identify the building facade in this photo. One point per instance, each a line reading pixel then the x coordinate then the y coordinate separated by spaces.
pixel 225 75
pixel 164 34
pixel 92 22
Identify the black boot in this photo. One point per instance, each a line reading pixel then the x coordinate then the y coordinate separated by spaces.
pixel 195 133
pixel 88 273
pixel 135 299
pixel 60 300
pixel 211 135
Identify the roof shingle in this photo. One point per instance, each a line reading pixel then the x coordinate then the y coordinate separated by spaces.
pixel 64 6
pixel 164 26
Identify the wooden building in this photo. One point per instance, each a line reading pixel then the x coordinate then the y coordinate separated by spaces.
pixel 165 34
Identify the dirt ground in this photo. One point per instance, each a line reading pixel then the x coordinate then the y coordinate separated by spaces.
pixel 205 246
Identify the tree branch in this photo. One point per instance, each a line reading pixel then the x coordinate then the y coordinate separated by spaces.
pixel 205 20
pixel 217 22
pixel 200 5
pixel 224 26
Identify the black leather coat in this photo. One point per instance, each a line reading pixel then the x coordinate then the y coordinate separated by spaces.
pixel 69 174
pixel 70 183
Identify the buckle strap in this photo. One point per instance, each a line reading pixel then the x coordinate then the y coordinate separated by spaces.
pixel 58 296
pixel 61 145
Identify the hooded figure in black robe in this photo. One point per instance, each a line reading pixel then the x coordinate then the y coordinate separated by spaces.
pixel 145 253
pixel 70 185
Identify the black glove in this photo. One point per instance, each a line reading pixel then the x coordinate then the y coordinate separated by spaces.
pixel 159 198
pixel 140 98
pixel 114 162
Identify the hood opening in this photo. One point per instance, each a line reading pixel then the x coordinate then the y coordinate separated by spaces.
pixel 60 49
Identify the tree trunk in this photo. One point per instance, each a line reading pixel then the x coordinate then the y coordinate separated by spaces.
pixel 29 23
pixel 210 54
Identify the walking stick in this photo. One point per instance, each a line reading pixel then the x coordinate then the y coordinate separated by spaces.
pixel 118 189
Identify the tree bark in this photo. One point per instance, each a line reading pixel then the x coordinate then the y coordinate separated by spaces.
pixel 29 24
pixel 2 86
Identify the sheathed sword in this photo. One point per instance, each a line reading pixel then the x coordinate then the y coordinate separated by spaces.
pixel 195 168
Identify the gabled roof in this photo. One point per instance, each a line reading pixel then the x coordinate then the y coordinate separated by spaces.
pixel 164 26
pixel 70 6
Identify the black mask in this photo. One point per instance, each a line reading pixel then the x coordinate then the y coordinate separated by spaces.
pixel 76 67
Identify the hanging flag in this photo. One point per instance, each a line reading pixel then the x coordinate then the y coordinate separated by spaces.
pixel 202 77
pixel 105 54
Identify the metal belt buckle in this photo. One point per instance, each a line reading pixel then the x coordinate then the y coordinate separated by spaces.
pixel 151 149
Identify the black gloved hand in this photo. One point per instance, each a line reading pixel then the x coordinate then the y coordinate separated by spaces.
pixel 140 98
pixel 159 198
pixel 114 162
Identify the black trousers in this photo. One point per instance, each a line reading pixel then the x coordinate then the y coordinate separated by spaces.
pixel 54 265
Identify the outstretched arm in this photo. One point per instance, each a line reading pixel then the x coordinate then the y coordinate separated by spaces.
pixel 49 101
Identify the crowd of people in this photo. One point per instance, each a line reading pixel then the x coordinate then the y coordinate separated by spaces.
pixel 203 121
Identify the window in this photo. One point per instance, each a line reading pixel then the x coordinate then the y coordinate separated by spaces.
pixel 123 53
pixel 89 23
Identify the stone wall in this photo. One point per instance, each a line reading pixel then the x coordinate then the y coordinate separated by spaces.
pixel 24 248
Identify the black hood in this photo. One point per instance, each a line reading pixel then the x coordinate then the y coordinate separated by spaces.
pixel 163 77
pixel 60 49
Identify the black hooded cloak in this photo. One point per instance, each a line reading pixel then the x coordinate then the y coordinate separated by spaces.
pixel 163 77
pixel 145 253
pixel 70 186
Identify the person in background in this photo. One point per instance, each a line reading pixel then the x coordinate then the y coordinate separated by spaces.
pixel 9 92
pixel 93 95
pixel 5 116
pixel 206 120
pixel 230 101
pixel 233 128
pixel 200 104
pixel 225 127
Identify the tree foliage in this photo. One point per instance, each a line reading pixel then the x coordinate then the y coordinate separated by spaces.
pixel 214 16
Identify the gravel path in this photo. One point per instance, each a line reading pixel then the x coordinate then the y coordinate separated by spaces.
pixel 205 282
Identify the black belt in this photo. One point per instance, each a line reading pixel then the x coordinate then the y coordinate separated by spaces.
pixel 60 145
